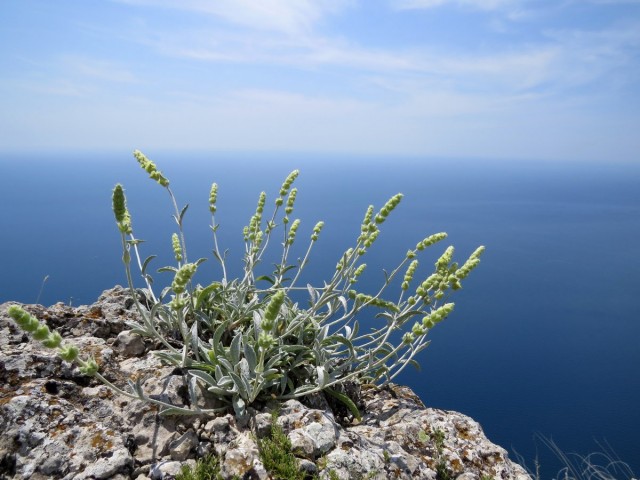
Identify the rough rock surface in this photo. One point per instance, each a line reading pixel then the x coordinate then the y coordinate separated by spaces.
pixel 57 423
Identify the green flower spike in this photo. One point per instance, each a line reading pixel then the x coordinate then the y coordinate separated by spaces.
pixel 292 231
pixel 437 315
pixel 261 201
pixel 272 310
pixel 213 196
pixel 265 340
pixel 371 238
pixel 388 207
pixel 359 271
pixel 408 276
pixel 418 330
pixel 41 333
pixel 431 281
pixel 177 249
pixel 367 219
pixel 445 258
pixel 316 231
pixel 150 168
pixel 290 201
pixel 90 367
pixel 53 340
pixel 182 277
pixel 287 183
pixel 430 240
pixel 68 353
pixel 24 320
pixel 466 268
pixel 120 210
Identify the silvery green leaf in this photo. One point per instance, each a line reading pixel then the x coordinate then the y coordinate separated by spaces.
pixel 347 401
pixel 218 373
pixel 242 387
pixel 226 364
pixel 226 382
pixel 234 349
pixel 341 340
pixel 276 359
pixel 322 377
pixel 245 373
pixel 182 212
pixel 215 254
pixel 145 264
pixel 415 364
pixel 193 397
pixel 217 336
pixel 312 293
pixel 304 389
pixel 136 388
pixel 356 329
pixel 205 377
pixel 423 346
pixel 185 357
pixel 164 292
pixel 170 358
pixel 250 355
pixel 168 269
pixel 322 333
pixel 293 348
pixel 200 260
pixel 218 391
pixel 175 411
pixel 271 373
pixel 343 302
pixel 194 340
pixel 239 406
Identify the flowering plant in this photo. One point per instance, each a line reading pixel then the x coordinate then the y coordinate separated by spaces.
pixel 245 339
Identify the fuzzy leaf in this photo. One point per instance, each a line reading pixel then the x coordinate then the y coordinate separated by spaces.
pixel 234 349
pixel 250 355
pixel 322 376
pixel 266 278
pixel 347 401
pixel 146 263
pixel 182 212
pixel 205 377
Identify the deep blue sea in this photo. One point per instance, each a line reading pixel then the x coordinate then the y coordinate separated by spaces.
pixel 545 337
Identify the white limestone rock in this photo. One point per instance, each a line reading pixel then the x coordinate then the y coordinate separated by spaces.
pixel 57 423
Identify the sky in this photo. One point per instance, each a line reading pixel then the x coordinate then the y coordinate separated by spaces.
pixel 504 79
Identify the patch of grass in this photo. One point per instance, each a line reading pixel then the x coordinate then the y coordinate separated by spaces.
pixel 333 475
pixel 442 472
pixel 603 464
pixel 207 468
pixel 276 454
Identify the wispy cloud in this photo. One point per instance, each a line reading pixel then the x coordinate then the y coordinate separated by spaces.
pixel 98 69
pixel 479 4
pixel 287 16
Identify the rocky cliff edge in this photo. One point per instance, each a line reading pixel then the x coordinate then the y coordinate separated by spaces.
pixel 57 423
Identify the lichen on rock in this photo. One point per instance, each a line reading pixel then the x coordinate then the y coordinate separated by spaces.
pixel 57 423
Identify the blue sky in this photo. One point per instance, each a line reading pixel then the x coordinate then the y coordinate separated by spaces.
pixel 512 79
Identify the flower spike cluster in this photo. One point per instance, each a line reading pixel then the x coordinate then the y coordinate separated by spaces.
pixel 254 338
pixel 40 331
pixel 150 168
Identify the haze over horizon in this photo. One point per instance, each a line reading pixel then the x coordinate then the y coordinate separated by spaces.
pixel 504 79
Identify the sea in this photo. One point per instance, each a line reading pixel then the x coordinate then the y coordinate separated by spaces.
pixel 544 341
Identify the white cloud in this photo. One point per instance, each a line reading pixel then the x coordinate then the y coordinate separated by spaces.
pixel 286 16
pixel 479 4
pixel 97 69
